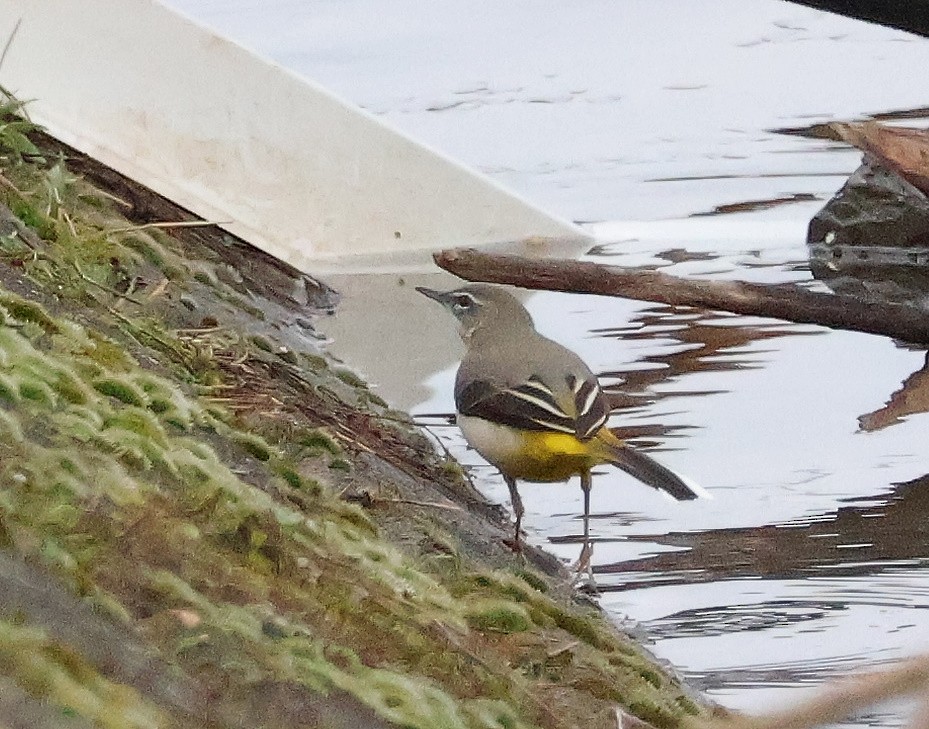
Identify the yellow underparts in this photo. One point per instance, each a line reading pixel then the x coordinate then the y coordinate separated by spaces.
pixel 534 455
pixel 555 456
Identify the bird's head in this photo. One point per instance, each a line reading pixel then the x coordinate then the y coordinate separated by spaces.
pixel 482 308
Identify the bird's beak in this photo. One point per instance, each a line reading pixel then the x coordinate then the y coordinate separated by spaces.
pixel 439 296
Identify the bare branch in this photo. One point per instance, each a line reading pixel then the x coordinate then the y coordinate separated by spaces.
pixel 782 301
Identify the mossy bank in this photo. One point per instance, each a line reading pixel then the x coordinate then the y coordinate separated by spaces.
pixel 205 522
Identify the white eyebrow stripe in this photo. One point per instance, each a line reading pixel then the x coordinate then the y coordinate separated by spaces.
pixel 545 405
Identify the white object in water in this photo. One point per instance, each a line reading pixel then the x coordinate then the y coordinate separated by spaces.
pixel 295 170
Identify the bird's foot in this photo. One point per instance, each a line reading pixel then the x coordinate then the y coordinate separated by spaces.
pixel 584 571
pixel 583 563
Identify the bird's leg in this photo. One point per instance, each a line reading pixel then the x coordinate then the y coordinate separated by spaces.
pixel 517 503
pixel 584 562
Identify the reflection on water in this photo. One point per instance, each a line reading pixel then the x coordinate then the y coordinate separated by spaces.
pixel 888 531
pixel 708 342
pixel 911 399
pixel 699 342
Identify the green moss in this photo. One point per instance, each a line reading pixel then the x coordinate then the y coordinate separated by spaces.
pixel 370 398
pixel 293 479
pixel 37 392
pixel 262 343
pixel 651 676
pixel 122 389
pixel 651 712
pixel 205 278
pixel 318 441
pixel 452 468
pixel 160 405
pixel 28 311
pixel 136 452
pixel 140 422
pixel 350 378
pixel 688 706
pixel 340 464
pixel 70 387
pixel 315 362
pixel 108 353
pixel 15 129
pixel 492 616
pixel 79 422
pixel 356 517
pixel 534 580
pixel 583 628
pixel 147 247
pixel 60 677
pixel 255 445
pixel 289 356
pixel 43 225
pixel 541 617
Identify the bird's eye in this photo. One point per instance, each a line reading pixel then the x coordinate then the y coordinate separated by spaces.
pixel 463 301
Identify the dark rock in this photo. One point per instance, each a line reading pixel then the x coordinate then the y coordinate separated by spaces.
pixel 872 239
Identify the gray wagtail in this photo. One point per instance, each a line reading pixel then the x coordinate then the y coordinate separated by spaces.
pixel 532 407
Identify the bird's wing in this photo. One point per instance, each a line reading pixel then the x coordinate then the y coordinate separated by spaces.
pixel 579 408
pixel 591 408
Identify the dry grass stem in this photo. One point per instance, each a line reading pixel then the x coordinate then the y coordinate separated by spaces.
pixel 170 224
pixel 844 699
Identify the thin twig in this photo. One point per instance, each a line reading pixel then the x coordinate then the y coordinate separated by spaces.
pixel 174 224
pixel 4 180
pixel 70 223
pixel 9 41
pixel 391 418
pixel 414 502
pixel 194 331
pixel 114 198
pixel 439 442
pixel 138 330
pixel 159 288
pixel 106 288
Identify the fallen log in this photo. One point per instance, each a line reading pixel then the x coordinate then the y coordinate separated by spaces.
pixel 778 301
pixel 903 150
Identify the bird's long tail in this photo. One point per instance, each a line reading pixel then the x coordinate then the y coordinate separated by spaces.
pixel 646 469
